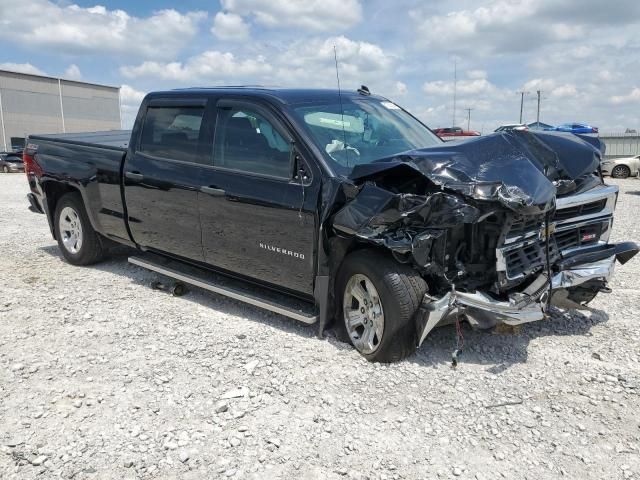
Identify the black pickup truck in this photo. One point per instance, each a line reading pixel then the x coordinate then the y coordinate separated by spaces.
pixel 336 207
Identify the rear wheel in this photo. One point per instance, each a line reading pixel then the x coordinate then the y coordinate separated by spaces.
pixel 378 298
pixel 5 169
pixel 620 171
pixel 78 241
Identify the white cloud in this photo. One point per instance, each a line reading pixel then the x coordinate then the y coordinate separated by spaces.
pixel 632 96
pixel 52 27
pixel 474 86
pixel 230 27
pixel 318 15
pixel 207 66
pixel 400 88
pixel 21 68
pixel 308 63
pixel 357 61
pixel 73 72
pixel 130 100
pixel 499 26
pixel 129 95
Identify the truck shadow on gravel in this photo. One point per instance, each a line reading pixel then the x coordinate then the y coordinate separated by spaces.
pixel 498 349
pixel 503 347
pixel 116 263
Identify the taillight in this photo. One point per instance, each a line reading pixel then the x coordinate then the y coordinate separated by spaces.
pixel 31 166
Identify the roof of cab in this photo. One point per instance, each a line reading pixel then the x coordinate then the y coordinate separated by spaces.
pixel 284 95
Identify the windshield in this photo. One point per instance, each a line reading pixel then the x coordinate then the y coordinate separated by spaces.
pixel 362 131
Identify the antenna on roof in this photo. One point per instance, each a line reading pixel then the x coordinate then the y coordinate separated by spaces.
pixel 344 133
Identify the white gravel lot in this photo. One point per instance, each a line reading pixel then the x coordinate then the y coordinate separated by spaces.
pixel 102 377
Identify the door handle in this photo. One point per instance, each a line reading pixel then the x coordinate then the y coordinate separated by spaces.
pixel 134 176
pixel 216 192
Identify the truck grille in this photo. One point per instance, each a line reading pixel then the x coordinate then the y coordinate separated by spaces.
pixel 581 236
pixel 529 256
pixel 580 210
pixel 526 225
pixel 580 220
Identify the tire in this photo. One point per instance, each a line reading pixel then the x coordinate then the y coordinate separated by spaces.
pixel 620 171
pixel 78 241
pixel 5 169
pixel 389 306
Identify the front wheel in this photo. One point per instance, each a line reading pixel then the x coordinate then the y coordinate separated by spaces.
pixel 78 241
pixel 378 298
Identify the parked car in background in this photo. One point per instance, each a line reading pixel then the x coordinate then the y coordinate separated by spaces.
pixel 574 128
pixel 11 162
pixel 512 126
pixel 454 133
pixel 621 167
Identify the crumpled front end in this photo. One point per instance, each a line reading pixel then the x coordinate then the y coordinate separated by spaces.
pixel 484 310
pixel 500 227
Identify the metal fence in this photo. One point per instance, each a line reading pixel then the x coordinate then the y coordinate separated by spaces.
pixel 621 144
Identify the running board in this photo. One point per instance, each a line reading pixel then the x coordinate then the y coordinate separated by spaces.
pixel 253 295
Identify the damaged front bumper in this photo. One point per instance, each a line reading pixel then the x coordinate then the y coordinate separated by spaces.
pixel 484 311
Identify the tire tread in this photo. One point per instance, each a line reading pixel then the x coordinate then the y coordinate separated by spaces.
pixel 407 289
pixel 92 250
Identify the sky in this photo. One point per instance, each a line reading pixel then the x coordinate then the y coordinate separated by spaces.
pixel 584 56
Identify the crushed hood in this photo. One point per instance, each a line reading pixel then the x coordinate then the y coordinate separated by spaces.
pixel 522 170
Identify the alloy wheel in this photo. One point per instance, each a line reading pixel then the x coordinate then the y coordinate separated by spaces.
pixel 70 228
pixel 363 314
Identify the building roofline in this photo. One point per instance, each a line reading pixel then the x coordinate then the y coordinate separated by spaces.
pixel 38 75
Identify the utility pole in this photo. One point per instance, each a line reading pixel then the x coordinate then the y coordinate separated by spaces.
pixel 522 94
pixel 455 85
pixel 468 118
pixel 538 114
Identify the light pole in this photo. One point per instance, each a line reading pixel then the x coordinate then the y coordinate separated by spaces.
pixel 522 94
pixel 538 112
pixel 468 118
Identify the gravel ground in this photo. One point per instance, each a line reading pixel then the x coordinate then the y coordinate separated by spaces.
pixel 102 377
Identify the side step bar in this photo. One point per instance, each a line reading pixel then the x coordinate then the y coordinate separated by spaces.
pixel 223 286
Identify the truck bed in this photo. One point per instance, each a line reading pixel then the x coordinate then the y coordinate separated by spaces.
pixel 90 163
pixel 112 139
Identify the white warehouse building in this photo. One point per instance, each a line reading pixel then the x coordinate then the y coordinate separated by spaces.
pixel 31 104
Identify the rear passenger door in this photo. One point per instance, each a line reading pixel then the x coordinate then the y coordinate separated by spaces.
pixel 258 204
pixel 163 174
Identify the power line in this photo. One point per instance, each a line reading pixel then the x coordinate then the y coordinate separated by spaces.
pixel 468 118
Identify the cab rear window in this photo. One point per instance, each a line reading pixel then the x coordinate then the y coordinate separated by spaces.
pixel 172 133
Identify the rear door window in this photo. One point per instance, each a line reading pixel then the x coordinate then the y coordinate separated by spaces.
pixel 174 133
pixel 247 141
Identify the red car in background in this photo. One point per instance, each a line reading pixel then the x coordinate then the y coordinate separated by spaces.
pixel 452 133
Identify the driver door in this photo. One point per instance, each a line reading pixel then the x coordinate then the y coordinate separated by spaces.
pixel 257 211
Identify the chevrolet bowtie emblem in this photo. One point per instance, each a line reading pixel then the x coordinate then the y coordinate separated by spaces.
pixel 546 231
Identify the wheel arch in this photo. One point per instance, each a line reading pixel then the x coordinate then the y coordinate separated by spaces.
pixel 53 192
